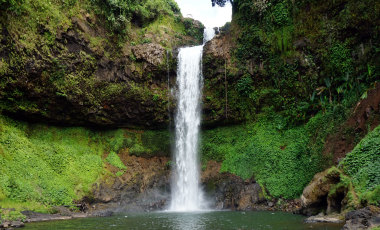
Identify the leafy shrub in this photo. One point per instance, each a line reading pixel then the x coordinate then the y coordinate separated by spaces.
pixel 245 85
pixel 363 165
pixel 114 160
pixel 15 6
pixel 7 215
pixel 280 14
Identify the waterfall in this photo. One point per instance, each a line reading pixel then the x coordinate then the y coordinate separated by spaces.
pixel 186 192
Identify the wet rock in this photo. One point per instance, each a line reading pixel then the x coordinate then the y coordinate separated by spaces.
pixel 230 191
pixel 63 211
pixel 17 224
pixel 250 195
pixel 5 224
pixel 37 217
pixel 103 213
pixel 366 218
pixel 321 218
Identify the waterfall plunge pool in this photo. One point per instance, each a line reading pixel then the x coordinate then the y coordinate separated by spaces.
pixel 256 220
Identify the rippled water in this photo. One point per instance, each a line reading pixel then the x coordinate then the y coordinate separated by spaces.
pixel 189 221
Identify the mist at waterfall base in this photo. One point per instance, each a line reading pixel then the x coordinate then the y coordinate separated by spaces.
pixel 187 194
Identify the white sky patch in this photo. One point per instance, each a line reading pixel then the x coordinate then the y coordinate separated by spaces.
pixel 203 11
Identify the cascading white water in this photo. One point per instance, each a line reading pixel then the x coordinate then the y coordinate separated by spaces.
pixel 186 192
pixel 208 34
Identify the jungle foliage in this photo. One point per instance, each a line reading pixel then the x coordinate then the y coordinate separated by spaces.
pixel 296 70
pixel 310 55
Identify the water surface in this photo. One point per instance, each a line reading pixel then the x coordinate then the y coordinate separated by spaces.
pixel 189 221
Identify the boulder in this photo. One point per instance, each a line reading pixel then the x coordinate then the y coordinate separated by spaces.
pixel 365 218
pixel 318 196
pixel 150 53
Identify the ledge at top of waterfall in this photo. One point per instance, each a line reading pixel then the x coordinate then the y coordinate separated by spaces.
pixel 186 192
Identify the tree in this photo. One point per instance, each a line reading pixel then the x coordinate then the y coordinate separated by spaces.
pixel 220 2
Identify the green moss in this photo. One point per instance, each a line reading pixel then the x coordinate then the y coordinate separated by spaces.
pixel 114 160
pixel 119 173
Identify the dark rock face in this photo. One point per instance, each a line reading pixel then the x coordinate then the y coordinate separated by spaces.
pixel 361 219
pixel 231 192
pixel 227 191
pixel 145 186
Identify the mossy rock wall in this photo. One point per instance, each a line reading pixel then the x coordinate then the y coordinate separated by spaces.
pixel 67 63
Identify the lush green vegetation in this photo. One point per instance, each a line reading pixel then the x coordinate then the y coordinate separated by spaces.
pixel 300 57
pixel 309 63
pixel 283 159
pixel 11 215
pixel 363 166
pixel 120 13
pixel 43 165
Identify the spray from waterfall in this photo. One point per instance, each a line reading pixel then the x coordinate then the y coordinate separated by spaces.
pixel 187 194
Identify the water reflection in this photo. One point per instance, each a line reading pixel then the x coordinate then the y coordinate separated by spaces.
pixel 222 220
pixel 188 221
